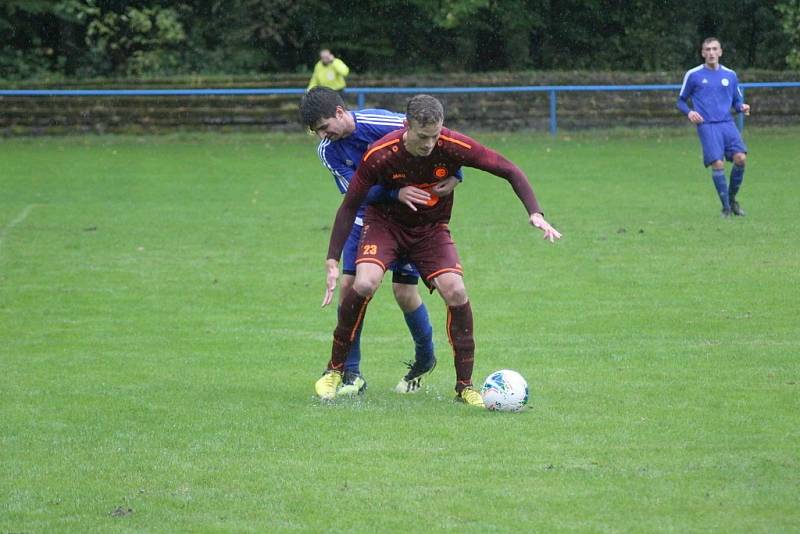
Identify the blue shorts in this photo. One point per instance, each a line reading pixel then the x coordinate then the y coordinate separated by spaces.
pixel 720 141
pixel 402 271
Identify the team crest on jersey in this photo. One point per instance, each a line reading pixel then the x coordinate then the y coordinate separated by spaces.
pixel 348 162
pixel 725 82
pixel 440 171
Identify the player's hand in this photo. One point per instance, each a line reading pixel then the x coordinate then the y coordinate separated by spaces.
pixel 332 266
pixel 695 117
pixel 746 109
pixel 445 187
pixel 410 195
pixel 550 233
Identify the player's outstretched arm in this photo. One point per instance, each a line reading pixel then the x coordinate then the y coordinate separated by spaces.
pixel 550 233
pixel 495 163
pixel 332 268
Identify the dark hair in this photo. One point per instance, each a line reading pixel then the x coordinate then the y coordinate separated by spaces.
pixel 319 103
pixel 424 110
pixel 708 40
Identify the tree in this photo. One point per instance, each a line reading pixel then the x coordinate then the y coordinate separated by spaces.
pixel 133 40
pixel 790 13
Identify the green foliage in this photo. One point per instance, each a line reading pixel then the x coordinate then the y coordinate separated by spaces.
pixel 449 14
pixel 790 12
pixel 24 64
pixel 133 41
pixel 94 38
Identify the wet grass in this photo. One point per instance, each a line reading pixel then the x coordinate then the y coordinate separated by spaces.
pixel 160 334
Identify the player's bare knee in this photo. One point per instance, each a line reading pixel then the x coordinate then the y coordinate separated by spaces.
pixel 368 279
pixel 739 159
pixel 366 285
pixel 452 290
pixel 456 296
pixel 407 296
pixel 718 165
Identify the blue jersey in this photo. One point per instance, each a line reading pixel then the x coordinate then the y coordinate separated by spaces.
pixel 342 157
pixel 713 93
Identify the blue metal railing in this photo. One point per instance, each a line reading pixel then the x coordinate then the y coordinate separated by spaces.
pixel 361 92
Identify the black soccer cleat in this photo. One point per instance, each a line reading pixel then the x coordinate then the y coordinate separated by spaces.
pixel 736 209
pixel 412 382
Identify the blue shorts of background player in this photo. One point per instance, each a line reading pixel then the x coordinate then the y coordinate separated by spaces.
pixel 402 272
pixel 720 141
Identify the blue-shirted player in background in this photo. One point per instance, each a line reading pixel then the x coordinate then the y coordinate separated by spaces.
pixel 714 89
pixel 345 136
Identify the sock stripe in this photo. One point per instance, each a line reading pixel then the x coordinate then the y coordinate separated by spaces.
pixel 360 318
pixel 447 328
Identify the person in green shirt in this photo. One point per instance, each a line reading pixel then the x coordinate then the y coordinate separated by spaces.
pixel 330 71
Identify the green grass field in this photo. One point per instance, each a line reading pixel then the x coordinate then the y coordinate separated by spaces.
pixel 160 334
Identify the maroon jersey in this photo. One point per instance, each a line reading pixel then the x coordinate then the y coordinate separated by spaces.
pixel 389 164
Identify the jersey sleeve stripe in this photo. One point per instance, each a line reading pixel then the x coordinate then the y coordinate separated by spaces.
pixel 686 77
pixel 369 116
pixel 376 148
pixel 456 141
pixel 382 122
pixel 361 115
pixel 341 182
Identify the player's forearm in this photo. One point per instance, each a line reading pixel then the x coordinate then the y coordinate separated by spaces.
pixel 496 164
pixel 738 102
pixel 525 193
pixel 345 218
pixel 683 106
pixel 346 215
pixel 379 195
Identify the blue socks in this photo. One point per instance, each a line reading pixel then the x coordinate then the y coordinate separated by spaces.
pixel 722 187
pixel 420 327
pixel 737 176
pixel 726 194
pixel 419 324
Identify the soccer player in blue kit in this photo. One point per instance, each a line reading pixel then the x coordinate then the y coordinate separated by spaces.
pixel 714 89
pixel 345 136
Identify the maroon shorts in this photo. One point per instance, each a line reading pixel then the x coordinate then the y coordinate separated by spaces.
pixel 429 247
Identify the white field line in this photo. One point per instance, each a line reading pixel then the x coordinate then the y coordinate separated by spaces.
pixel 17 220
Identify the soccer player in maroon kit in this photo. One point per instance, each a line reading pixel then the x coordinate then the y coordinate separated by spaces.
pixel 421 155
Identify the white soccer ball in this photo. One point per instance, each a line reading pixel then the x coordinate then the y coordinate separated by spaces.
pixel 505 391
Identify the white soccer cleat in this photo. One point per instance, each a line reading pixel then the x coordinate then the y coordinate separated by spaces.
pixel 412 382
